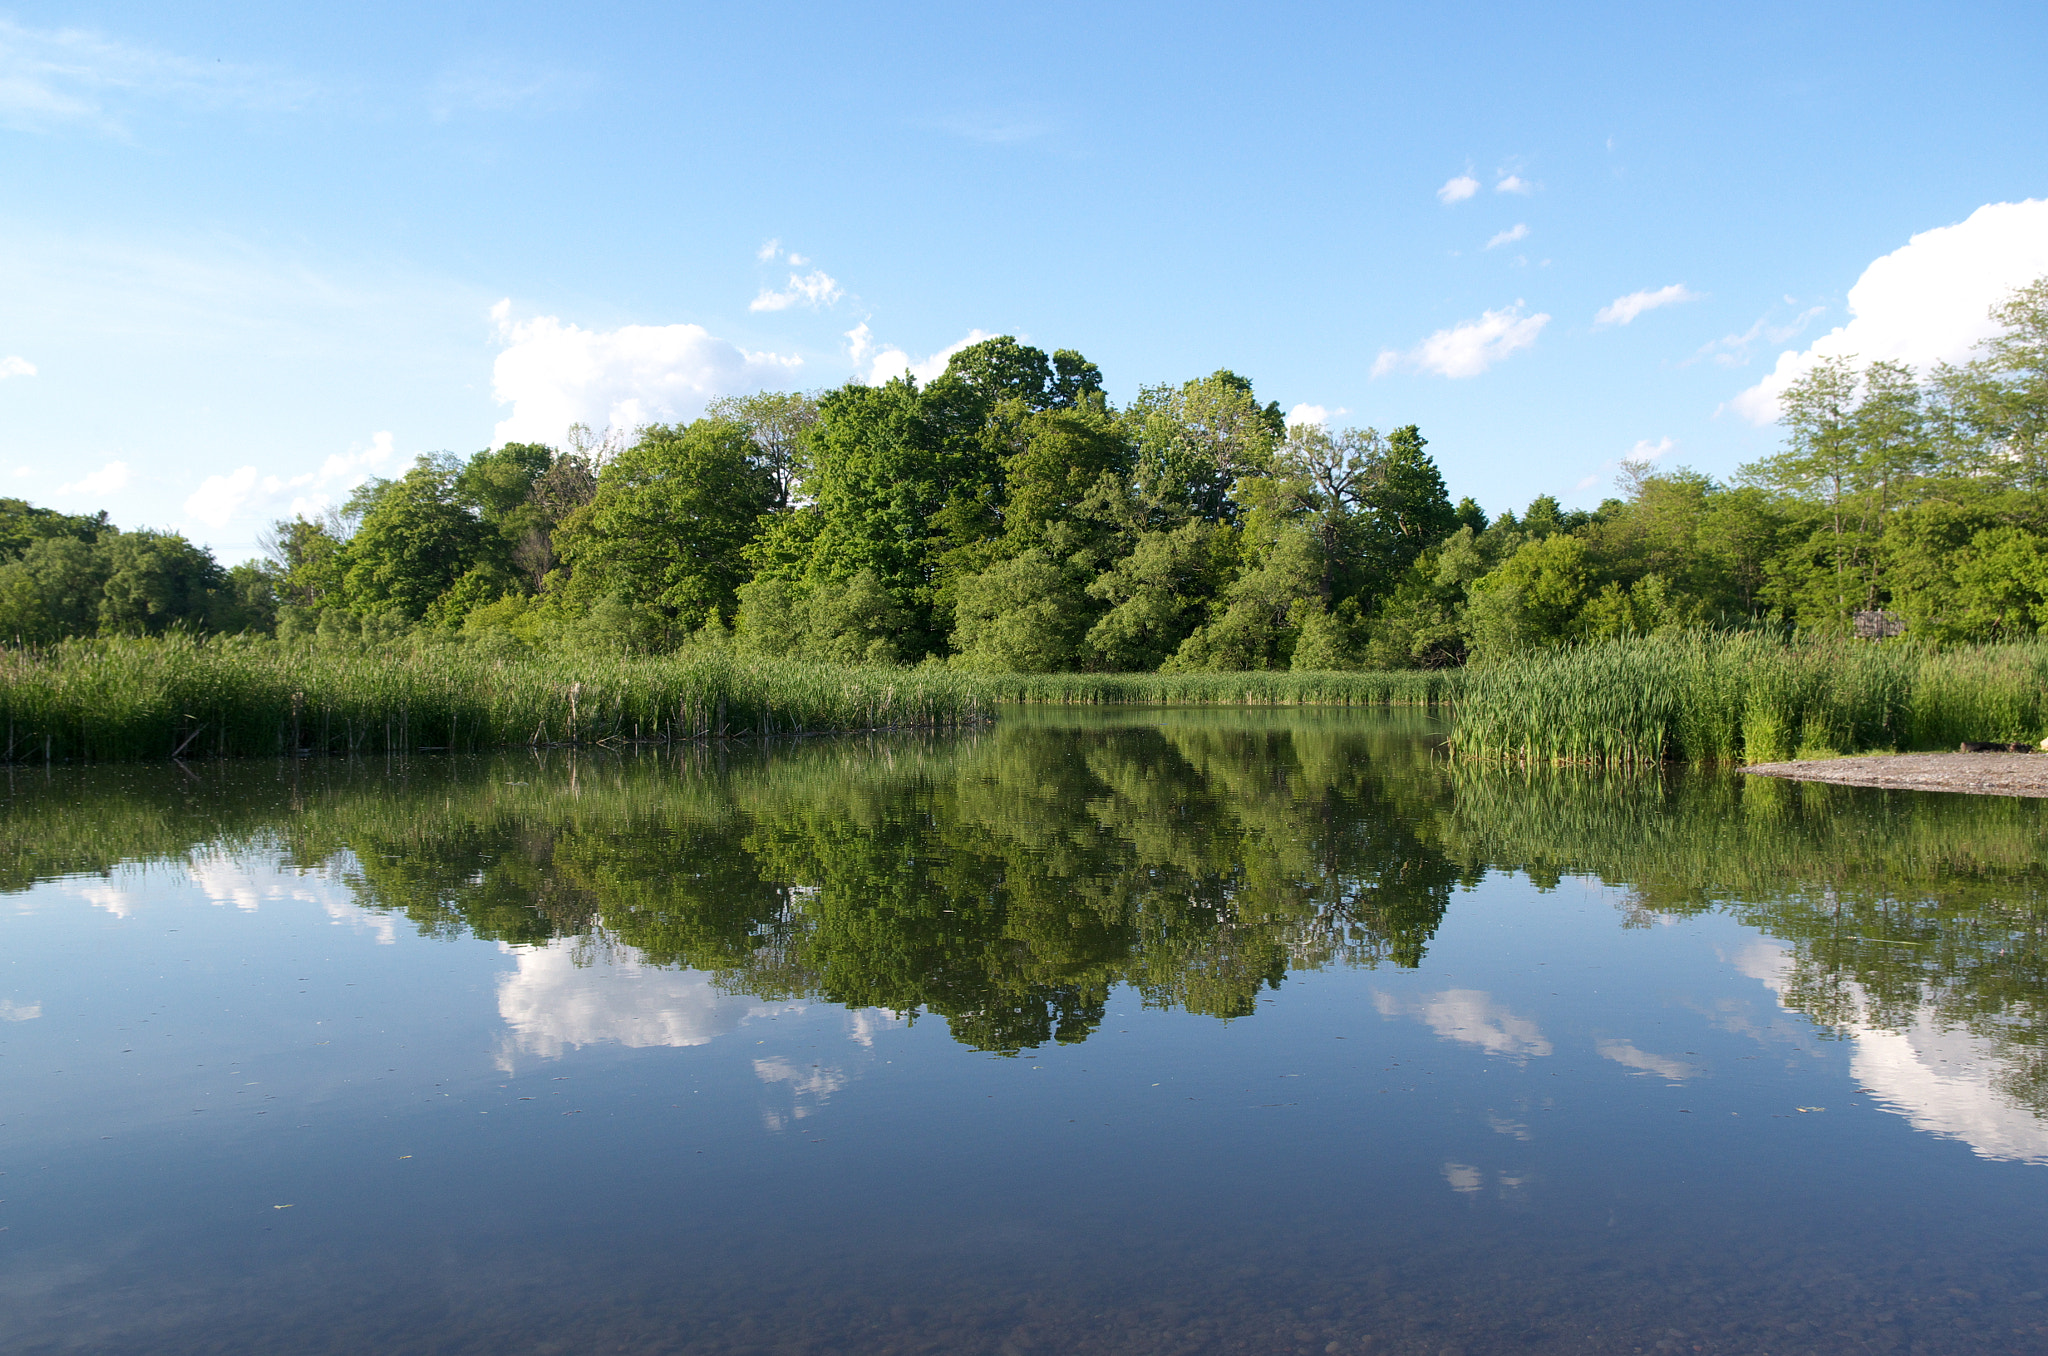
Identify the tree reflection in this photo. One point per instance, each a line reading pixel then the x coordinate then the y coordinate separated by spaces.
pixel 1007 880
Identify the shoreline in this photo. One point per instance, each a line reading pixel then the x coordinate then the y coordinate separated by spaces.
pixel 1974 774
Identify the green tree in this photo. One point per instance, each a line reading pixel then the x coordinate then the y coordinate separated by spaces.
pixel 671 521
pixel 416 539
pixel 1194 441
pixel 157 580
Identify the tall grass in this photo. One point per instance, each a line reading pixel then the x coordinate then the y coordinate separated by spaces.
pixel 1413 687
pixel 112 700
pixel 1747 698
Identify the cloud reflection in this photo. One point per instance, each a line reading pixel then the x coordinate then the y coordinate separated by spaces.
pixel 568 993
pixel 1471 1016
pixel 1941 1079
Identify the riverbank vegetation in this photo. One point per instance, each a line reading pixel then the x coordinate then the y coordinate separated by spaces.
pixel 1719 698
pixel 181 697
pixel 1007 518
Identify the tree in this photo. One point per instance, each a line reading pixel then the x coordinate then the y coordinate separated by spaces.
pixel 780 424
pixel 52 591
pixel 1026 614
pixel 1533 599
pixel 1405 508
pixel 1194 441
pixel 671 520
pixel 416 539
pixel 1159 594
pixel 158 580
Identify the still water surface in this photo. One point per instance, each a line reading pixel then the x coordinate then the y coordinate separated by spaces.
pixel 1203 1031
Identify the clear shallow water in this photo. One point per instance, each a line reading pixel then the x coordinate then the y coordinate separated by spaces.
pixel 1138 1032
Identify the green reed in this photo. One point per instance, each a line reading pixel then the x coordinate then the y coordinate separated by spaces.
pixel 113 700
pixel 1707 698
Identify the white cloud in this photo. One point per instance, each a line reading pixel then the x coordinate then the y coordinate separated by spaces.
pixel 1472 1017
pixel 860 341
pixel 554 374
pixel 768 250
pixel 220 499
pixel 1925 302
pixel 813 289
pixel 1313 414
pixel 1622 310
pixel 797 259
pixel 1645 450
pixel 1519 231
pixel 893 362
pixel 1457 190
pixel 1514 183
pixel 107 480
pixel 1468 349
pixel 16 367
pixel 11 1011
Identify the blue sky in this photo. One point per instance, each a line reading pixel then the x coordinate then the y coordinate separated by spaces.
pixel 249 254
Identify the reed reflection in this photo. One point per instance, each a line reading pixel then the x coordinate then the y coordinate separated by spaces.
pixel 1007 880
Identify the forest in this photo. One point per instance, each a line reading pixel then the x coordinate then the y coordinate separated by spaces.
pixel 1007 517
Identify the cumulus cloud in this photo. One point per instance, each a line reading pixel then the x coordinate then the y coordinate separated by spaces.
pixel 1518 231
pixel 16 367
pixel 220 499
pixel 860 341
pixel 1927 301
pixel 1457 190
pixel 1467 349
pixel 1514 183
pixel 1313 414
pixel 892 362
pixel 554 374
pixel 108 479
pixel 813 289
pixel 1622 310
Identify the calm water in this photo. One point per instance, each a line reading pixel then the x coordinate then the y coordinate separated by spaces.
pixel 1154 1032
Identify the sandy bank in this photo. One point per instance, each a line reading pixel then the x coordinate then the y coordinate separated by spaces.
pixel 1981 774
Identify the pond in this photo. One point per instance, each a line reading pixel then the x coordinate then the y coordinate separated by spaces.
pixel 1100 1032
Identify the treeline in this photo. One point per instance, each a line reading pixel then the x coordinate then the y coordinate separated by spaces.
pixel 1006 517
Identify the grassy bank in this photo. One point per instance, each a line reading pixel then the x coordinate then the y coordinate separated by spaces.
pixel 114 700
pixel 1414 687
pixel 1719 699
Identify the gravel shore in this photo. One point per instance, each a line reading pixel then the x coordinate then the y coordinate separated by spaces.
pixel 1979 774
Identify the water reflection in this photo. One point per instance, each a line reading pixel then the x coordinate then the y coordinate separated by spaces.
pixel 1006 882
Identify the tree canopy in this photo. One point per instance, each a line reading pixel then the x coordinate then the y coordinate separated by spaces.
pixel 1006 515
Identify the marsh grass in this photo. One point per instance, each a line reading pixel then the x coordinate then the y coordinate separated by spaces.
pixel 117 700
pixel 1747 698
